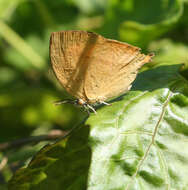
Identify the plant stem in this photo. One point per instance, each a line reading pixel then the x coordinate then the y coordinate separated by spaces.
pixel 21 46
pixel 53 135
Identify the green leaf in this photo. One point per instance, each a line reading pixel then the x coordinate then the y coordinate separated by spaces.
pixel 52 154
pixel 139 142
pixel 168 51
pixel 139 22
pixel 171 53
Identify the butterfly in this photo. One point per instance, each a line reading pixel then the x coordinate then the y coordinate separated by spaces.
pixel 92 68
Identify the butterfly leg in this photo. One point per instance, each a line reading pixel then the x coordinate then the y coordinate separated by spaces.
pixel 78 102
pixel 91 108
pixel 130 86
pixel 87 109
pixel 105 103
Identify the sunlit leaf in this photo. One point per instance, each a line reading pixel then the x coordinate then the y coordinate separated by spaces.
pixel 136 143
pixel 171 53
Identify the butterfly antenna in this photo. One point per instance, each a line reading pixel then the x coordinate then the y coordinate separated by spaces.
pixel 65 102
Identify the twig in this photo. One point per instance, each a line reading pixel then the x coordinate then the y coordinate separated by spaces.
pixel 53 135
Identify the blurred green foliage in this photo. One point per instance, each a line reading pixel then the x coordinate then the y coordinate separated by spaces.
pixel 27 85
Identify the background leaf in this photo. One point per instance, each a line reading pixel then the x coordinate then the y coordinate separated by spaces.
pixel 126 19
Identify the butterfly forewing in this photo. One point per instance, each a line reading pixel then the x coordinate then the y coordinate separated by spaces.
pixel 68 53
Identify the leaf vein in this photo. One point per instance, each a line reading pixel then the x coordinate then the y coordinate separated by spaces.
pixel 161 157
pixel 130 132
pixel 152 141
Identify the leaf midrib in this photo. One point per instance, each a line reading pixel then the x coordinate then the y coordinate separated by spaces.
pixel 153 139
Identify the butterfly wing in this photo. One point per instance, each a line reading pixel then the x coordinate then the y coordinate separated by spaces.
pixel 91 67
pixel 113 68
pixel 69 51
